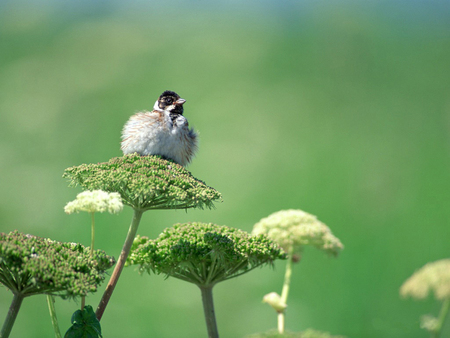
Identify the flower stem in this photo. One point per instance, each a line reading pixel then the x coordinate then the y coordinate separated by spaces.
pixel 281 321
pixel 11 316
pixel 442 316
pixel 285 291
pixel 83 298
pixel 120 263
pixel 208 308
pixel 51 309
pixel 92 232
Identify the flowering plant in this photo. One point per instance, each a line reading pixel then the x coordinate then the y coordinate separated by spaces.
pixel 204 254
pixel 293 230
pixel 433 278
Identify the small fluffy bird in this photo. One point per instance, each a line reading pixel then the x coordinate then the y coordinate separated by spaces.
pixel 163 131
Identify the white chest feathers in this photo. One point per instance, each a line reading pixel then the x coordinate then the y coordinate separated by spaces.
pixel 154 133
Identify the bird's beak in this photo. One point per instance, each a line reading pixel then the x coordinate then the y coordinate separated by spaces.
pixel 180 102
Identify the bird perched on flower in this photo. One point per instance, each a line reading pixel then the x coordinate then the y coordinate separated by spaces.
pixel 163 131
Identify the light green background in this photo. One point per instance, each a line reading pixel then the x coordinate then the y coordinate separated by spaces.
pixel 339 108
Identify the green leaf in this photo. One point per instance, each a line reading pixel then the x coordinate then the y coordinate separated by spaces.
pixel 84 324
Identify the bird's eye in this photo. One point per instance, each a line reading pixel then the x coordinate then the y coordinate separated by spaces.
pixel 169 100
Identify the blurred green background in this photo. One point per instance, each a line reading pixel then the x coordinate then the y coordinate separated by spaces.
pixel 339 108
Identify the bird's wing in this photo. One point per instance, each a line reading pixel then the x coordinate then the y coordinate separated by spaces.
pixel 140 123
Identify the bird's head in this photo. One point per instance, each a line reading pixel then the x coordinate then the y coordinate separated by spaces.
pixel 170 102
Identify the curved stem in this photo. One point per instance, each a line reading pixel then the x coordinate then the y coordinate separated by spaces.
pixel 12 315
pixel 120 263
pixel 208 309
pixel 442 316
pixel 285 291
pixel 51 309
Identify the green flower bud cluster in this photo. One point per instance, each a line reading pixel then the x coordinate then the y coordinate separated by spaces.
pixel 203 254
pixel 433 277
pixel 145 182
pixel 297 229
pixel 31 265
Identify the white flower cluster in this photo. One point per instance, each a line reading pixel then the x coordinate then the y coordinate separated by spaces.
pixel 95 201
pixel 298 228
pixel 434 276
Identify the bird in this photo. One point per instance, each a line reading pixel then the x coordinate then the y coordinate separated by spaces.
pixel 163 131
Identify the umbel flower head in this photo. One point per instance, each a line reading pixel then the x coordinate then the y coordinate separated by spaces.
pixel 95 201
pixel 297 229
pixel 145 182
pixel 31 265
pixel 203 253
pixel 432 277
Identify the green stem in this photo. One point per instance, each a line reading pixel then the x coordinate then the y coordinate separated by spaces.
pixel 208 308
pixel 442 316
pixel 12 314
pixel 83 298
pixel 280 321
pixel 285 291
pixel 92 232
pixel 120 263
pixel 51 309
